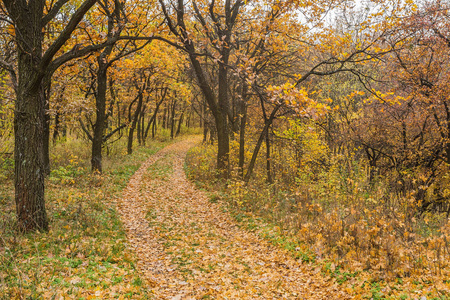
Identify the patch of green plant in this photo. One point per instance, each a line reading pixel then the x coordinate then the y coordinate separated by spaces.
pixel 340 275
pixel 161 169
pixel 85 248
pixel 6 167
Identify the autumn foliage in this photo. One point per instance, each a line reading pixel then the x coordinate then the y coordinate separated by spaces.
pixel 329 120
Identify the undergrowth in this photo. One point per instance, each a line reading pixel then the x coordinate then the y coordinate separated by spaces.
pixel 372 242
pixel 85 254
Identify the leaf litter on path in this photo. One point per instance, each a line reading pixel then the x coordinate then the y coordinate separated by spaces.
pixel 189 248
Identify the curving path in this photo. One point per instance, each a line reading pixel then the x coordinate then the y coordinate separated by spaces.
pixel 188 248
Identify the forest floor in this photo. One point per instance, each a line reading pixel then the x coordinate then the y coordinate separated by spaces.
pixel 188 247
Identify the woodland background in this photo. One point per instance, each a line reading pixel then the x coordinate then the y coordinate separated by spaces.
pixel 327 120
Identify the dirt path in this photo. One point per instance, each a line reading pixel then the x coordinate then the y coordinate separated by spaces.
pixel 188 248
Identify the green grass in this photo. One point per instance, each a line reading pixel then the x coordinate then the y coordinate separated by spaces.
pixel 161 169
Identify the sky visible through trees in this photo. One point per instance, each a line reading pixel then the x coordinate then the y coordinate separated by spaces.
pixel 338 110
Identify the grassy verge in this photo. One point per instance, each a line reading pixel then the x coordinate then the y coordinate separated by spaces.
pixel 368 241
pixel 84 255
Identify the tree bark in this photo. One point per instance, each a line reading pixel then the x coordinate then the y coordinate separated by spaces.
pixel 29 117
pixel 133 123
pixel 100 105
pixel 223 136
pixel 243 111
pixel 29 148
pixel 179 124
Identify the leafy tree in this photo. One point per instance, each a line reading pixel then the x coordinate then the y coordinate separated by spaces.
pixel 35 65
pixel 217 21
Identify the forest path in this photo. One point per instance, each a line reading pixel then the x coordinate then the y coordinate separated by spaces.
pixel 189 248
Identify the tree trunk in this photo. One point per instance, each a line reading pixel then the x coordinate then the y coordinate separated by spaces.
pixel 100 105
pixel 223 137
pixel 219 109
pixel 29 148
pixel 29 119
pixel 32 67
pixel 151 122
pixel 179 124
pixel 188 119
pixel 242 138
pixel 223 144
pixel 164 117
pixel 57 127
pixel 138 127
pixel 133 124
pixel 153 128
pixel 172 118
pixel 205 132
pixel 268 159
pixel 267 124
pixel 143 125
pixel 153 119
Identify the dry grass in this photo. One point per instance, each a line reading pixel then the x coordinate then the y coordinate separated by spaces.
pixel 359 232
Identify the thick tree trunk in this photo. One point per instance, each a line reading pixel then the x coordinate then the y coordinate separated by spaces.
pixel 29 120
pixel 223 145
pixel 100 105
pixel 223 137
pixel 32 66
pixel 29 149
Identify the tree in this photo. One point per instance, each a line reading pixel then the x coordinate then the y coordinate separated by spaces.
pixel 217 21
pixel 105 60
pixel 34 64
